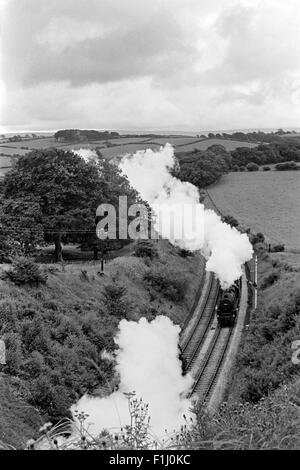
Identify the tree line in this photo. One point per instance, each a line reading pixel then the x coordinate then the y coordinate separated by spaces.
pixel 204 167
pixel 78 135
pixel 51 196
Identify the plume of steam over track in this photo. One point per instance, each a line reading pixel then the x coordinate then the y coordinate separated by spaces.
pixel 147 363
pixel 224 247
pixel 87 154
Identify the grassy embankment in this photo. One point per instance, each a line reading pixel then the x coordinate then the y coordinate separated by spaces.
pixel 263 409
pixel 55 333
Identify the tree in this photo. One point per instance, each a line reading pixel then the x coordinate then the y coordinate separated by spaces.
pixel 230 220
pixel 286 166
pixel 66 191
pixel 252 166
pixel 145 249
pixel 202 168
pixel 114 298
pixel 20 227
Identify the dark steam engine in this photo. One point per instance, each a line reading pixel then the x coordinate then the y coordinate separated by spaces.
pixel 228 304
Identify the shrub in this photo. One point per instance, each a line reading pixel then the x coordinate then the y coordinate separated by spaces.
pixel 286 166
pixel 270 279
pixel 242 168
pixel 277 248
pixel 114 299
pixel 184 253
pixel 145 249
pixel 235 168
pixel 26 271
pixel 266 168
pixel 84 275
pixel 258 238
pixel 170 284
pixel 252 166
pixel 230 220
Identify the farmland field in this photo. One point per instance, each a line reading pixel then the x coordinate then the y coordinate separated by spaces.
pixel 5 162
pixel 173 140
pixel 119 150
pixel 228 144
pixel 120 145
pixel 267 202
pixel 128 140
pixel 13 151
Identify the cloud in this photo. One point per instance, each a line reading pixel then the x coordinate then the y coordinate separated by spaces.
pixel 96 48
pixel 262 40
pixel 161 64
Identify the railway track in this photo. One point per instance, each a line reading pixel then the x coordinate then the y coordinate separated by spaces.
pixel 194 341
pixel 208 371
pixel 198 295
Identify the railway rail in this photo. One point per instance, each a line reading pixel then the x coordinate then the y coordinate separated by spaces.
pixel 194 341
pixel 210 367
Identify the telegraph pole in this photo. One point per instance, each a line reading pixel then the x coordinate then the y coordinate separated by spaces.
pixel 255 281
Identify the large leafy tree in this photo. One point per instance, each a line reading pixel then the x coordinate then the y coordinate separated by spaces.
pixel 202 168
pixel 66 191
pixel 20 227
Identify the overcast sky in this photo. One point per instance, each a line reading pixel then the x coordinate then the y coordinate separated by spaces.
pixel 150 64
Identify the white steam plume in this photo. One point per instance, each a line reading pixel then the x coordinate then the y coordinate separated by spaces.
pixel 224 247
pixel 87 154
pixel 148 363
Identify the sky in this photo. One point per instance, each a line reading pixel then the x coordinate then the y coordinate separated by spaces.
pixel 138 64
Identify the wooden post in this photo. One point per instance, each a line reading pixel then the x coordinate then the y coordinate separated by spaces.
pixel 2 353
pixel 256 286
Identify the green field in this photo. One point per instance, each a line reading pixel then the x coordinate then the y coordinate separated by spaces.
pixel 267 202
pixel 228 144
pixel 115 147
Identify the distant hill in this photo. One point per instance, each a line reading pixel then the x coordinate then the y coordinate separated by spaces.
pixel 77 135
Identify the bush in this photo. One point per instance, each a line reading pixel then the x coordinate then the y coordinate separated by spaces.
pixel 270 279
pixel 277 248
pixel 242 168
pixel 258 238
pixel 266 168
pixel 252 166
pixel 286 166
pixel 184 253
pixel 145 249
pixel 230 220
pixel 114 299
pixel 235 168
pixel 172 286
pixel 26 271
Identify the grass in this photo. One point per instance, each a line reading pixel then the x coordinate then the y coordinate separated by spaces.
pixel 204 144
pixel 19 421
pixel 264 361
pixel 271 424
pixel 130 270
pixel 51 331
pixel 121 145
pixel 273 210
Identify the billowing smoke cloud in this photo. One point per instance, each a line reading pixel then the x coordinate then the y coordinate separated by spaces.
pixel 224 247
pixel 86 154
pixel 147 363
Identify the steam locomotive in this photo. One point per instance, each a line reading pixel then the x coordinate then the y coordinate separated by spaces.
pixel 228 304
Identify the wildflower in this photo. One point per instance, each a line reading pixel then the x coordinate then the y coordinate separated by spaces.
pixel 45 427
pixel 30 444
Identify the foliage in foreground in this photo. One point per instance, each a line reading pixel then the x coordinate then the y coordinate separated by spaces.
pixel 273 423
pixel 170 285
pixel 26 272
pixel 264 360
